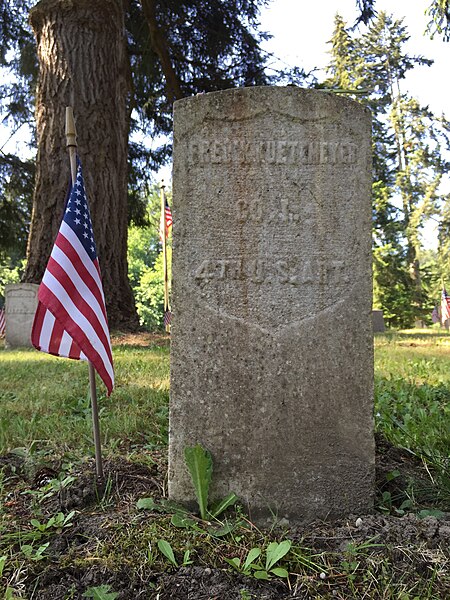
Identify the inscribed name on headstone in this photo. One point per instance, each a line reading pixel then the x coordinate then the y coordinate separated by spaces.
pixel 20 306
pixel 271 352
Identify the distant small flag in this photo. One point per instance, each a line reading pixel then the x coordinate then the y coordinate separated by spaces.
pixel 435 315
pixel 70 318
pixel 445 306
pixel 2 322
pixel 167 318
pixel 168 220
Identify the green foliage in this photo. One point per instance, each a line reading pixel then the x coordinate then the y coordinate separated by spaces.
pixel 439 13
pixel 3 560
pixel 409 161
pixel 199 463
pixel 274 553
pixel 412 407
pixel 166 549
pixel 56 523
pixel 10 272
pixel 145 266
pixel 34 554
pixel 102 592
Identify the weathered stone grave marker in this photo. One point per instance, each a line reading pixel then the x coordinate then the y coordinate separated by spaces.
pixel 21 301
pixel 271 364
pixel 378 321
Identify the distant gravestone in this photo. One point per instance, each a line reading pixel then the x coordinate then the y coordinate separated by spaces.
pixel 271 352
pixel 378 321
pixel 20 305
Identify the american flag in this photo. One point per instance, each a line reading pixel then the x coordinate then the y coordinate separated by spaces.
pixel 168 221
pixel 167 318
pixel 71 319
pixel 2 322
pixel 445 306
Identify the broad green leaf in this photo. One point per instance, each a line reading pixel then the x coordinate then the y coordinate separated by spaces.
pixel 199 463
pixel 181 520
pixel 37 524
pixel 27 549
pixel 234 562
pixel 168 506
pixel 279 572
pixel 261 575
pixel 166 549
pixel 146 504
pixel 221 531
pixel 69 518
pixel 430 512
pixel 251 556
pixel 392 475
pixel 275 552
pixel 221 506
pixel 101 592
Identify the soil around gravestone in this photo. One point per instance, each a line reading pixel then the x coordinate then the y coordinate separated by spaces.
pixel 102 517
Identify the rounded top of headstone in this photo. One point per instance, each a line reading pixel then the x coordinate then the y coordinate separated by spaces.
pixel 289 96
pixel 280 176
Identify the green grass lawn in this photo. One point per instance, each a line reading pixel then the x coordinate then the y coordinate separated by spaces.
pixel 45 402
pixel 52 550
pixel 412 398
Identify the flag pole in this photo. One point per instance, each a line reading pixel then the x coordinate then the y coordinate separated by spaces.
pixel 164 248
pixel 71 143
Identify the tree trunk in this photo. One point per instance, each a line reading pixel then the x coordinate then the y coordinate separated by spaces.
pixel 83 63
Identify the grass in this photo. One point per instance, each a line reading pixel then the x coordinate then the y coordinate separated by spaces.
pixel 412 400
pixel 45 421
pixel 45 401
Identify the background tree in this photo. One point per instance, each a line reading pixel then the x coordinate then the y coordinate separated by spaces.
pixel 120 80
pixel 409 144
pixel 172 48
pixel 146 265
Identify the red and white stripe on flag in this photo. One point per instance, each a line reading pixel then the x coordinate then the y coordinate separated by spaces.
pixel 2 322
pixel 166 221
pixel 445 306
pixel 70 319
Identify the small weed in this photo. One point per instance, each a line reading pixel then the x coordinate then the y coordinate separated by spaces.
pixel 32 554
pixel 166 549
pixel 53 487
pixel 102 592
pixel 105 497
pixel 199 463
pixel 55 524
pixel 274 553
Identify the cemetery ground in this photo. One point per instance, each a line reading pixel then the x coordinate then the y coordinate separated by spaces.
pixel 61 537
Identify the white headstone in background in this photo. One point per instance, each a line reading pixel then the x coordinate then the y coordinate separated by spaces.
pixel 20 306
pixel 378 321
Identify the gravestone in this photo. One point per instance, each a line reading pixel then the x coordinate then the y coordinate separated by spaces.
pixel 21 301
pixel 378 321
pixel 271 351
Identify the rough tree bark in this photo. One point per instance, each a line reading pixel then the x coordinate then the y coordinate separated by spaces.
pixel 83 63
